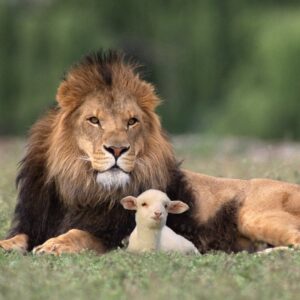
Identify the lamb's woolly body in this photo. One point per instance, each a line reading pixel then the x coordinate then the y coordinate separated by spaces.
pixel 164 239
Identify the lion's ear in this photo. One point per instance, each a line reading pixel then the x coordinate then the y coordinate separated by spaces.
pixel 66 97
pixel 147 98
pixel 129 202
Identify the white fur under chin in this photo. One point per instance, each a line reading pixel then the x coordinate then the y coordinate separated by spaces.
pixel 113 179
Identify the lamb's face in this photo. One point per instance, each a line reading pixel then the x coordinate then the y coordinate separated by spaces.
pixel 153 207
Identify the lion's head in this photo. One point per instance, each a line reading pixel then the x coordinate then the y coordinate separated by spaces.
pixel 106 139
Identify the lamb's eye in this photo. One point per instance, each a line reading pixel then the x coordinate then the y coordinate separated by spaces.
pixel 132 121
pixel 166 205
pixel 94 120
pixel 144 204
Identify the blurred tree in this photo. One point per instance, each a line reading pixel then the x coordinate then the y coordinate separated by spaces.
pixel 221 66
pixel 263 98
pixel 9 78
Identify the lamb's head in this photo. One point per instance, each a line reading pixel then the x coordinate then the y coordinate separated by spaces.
pixel 153 207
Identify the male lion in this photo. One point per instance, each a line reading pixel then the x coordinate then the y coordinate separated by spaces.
pixel 103 142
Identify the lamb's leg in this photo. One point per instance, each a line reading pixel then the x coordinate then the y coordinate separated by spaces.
pixel 73 241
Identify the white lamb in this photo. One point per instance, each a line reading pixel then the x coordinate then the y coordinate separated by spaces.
pixel 151 233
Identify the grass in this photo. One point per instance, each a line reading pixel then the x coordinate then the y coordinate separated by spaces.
pixel 121 275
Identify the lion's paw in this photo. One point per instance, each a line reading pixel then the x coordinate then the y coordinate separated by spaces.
pixel 16 243
pixel 55 246
pixel 275 249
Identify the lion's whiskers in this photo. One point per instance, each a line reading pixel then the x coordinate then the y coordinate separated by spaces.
pixel 141 162
pixel 85 158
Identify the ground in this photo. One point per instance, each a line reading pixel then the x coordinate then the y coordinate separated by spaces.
pixel 120 275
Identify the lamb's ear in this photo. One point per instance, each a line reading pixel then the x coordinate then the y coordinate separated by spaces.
pixel 129 202
pixel 177 207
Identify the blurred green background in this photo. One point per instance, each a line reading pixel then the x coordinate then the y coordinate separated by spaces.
pixel 223 67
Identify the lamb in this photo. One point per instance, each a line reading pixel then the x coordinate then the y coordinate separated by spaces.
pixel 151 233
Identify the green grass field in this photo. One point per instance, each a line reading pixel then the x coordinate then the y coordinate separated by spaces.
pixel 120 275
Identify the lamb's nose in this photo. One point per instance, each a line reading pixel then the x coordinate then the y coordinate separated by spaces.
pixel 157 213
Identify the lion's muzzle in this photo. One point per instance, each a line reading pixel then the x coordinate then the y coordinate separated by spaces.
pixel 116 151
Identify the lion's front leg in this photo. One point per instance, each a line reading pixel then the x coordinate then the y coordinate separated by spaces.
pixel 73 241
pixel 19 243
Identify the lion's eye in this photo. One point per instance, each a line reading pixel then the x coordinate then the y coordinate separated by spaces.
pixel 132 121
pixel 144 204
pixel 94 120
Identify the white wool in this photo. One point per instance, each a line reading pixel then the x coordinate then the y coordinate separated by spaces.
pixel 163 239
pixel 150 237
pixel 113 179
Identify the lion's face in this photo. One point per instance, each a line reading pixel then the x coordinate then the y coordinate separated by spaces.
pixel 109 131
pixel 106 139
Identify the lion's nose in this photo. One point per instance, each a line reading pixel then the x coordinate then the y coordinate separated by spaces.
pixel 116 151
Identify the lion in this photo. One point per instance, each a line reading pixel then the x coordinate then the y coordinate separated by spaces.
pixel 104 141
